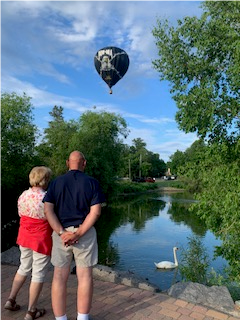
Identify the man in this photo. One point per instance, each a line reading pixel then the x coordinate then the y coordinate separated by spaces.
pixel 72 206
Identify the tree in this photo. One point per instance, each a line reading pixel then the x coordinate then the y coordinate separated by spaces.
pixel 144 162
pixel 177 160
pixel 138 158
pixel 158 166
pixel 219 206
pixel 201 59
pixel 139 145
pixel 195 151
pixel 55 146
pixel 212 171
pixel 18 134
pixel 100 137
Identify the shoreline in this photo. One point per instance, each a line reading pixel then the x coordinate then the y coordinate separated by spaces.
pixel 163 189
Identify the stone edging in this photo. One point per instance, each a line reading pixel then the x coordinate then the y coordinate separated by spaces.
pixel 105 273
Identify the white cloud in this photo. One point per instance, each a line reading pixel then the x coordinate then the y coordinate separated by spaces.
pixel 48 26
pixel 179 141
pixel 144 119
pixel 48 45
pixel 156 142
pixel 42 97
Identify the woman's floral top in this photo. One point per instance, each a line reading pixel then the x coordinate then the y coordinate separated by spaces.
pixel 30 203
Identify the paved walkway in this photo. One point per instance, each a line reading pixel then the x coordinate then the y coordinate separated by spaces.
pixel 110 302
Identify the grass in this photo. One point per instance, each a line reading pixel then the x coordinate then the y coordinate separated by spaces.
pixel 126 187
pixel 171 184
pixel 129 187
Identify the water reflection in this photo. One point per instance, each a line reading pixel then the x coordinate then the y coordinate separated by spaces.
pixel 135 232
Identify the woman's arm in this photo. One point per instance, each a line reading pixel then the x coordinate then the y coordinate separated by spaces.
pixel 53 220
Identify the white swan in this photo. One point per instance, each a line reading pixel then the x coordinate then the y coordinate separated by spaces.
pixel 168 264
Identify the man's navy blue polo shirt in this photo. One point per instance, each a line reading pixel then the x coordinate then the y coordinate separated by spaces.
pixel 72 195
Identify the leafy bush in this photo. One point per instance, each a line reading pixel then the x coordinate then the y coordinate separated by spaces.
pixel 194 266
pixel 123 187
pixel 194 261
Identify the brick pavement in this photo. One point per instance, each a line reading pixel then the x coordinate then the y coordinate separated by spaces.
pixel 110 302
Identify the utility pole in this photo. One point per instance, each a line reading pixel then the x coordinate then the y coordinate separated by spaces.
pixel 140 164
pixel 129 168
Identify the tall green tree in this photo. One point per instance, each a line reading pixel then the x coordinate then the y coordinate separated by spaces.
pixel 177 160
pixel 158 166
pixel 100 137
pixel 200 58
pixel 143 162
pixel 18 134
pixel 219 177
pixel 138 158
pixel 222 217
pixel 55 146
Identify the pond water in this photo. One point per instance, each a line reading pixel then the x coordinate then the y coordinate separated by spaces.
pixel 138 231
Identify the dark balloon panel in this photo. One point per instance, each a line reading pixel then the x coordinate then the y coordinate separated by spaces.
pixel 111 63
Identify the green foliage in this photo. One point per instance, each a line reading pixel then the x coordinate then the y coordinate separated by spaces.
pixel 234 289
pixel 99 137
pixel 200 58
pixel 179 184
pixel 189 164
pixel 127 187
pixel 194 261
pixel 55 146
pixel 219 207
pixel 194 266
pixel 158 166
pixel 17 139
pixel 17 152
pixel 142 162
pixel 176 161
pixel 215 177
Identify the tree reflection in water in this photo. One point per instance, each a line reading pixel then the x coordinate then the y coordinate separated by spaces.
pixel 134 231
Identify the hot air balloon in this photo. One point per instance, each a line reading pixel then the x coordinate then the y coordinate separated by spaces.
pixel 111 63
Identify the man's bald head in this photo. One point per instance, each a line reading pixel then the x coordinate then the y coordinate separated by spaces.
pixel 76 161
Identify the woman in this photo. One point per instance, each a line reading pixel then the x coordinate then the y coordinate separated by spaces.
pixel 35 242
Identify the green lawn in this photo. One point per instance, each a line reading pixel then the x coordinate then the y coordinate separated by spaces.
pixel 125 186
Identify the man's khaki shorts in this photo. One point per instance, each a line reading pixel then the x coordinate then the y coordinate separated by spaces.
pixel 85 252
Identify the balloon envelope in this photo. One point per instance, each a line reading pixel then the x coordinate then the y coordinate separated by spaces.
pixel 111 63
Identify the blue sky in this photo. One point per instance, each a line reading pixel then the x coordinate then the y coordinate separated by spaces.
pixel 48 48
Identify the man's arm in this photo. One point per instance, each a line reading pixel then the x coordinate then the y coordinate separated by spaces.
pixel 90 220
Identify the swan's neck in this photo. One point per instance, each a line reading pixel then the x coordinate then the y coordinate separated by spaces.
pixel 175 258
